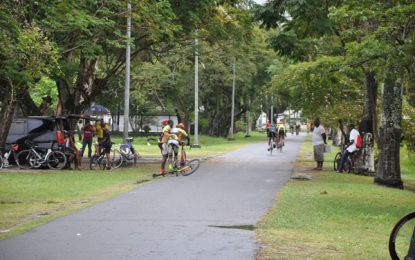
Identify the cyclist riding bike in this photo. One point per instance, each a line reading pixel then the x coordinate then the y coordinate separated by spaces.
pixel 281 133
pixel 272 133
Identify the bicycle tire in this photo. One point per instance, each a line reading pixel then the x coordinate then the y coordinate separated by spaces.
pixel 337 161
pixel 56 160
pixel 23 157
pixel 347 167
pixel 93 162
pixel 190 167
pixel 401 227
pixel 102 163
pixel 169 161
pixel 116 158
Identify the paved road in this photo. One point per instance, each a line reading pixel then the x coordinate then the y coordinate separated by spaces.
pixel 173 218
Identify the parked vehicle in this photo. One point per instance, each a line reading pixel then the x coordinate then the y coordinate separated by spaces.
pixel 39 129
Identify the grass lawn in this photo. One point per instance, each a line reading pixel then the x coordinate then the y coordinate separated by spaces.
pixel 33 197
pixel 333 216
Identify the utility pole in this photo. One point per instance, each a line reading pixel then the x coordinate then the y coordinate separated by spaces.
pixel 248 124
pixel 196 141
pixel 127 77
pixel 272 110
pixel 233 101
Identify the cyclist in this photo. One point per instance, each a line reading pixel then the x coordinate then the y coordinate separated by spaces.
pixel 350 148
pixel 168 125
pixel 105 144
pixel 182 134
pixel 281 132
pixel 272 133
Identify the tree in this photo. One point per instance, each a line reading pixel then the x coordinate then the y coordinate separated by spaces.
pixel 356 35
pixel 25 56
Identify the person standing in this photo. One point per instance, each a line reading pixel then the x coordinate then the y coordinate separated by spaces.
pixel 318 140
pixel 350 148
pixel 87 135
pixel 105 144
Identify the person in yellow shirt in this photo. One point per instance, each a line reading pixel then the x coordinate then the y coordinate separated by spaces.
pixel 100 126
pixel 163 144
pixel 281 132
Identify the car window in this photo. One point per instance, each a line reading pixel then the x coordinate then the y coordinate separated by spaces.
pixel 40 125
pixel 18 128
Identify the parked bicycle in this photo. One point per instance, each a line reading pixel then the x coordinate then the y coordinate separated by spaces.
pixel 36 157
pixel 178 166
pixel 402 238
pixel 4 157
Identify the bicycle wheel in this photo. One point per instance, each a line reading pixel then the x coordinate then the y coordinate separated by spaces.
pixel 337 161
pixel 347 167
pixel 116 158
pixel 402 238
pixel 56 160
pixel 1 162
pixel 25 159
pixel 190 167
pixel 93 163
pixel 170 160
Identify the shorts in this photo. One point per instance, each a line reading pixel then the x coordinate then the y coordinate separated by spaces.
pixel 281 133
pixel 106 148
pixel 272 134
pixel 318 152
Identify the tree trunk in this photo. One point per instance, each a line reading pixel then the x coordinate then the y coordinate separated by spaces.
pixel 389 172
pixel 368 125
pixel 7 119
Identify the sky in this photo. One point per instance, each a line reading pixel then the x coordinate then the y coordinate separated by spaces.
pixel 260 1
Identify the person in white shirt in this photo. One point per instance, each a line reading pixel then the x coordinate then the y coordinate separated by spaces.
pixel 350 148
pixel 318 140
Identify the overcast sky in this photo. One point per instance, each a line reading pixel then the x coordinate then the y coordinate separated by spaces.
pixel 260 1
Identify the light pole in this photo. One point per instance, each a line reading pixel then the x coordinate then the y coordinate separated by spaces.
pixel 233 102
pixel 127 76
pixel 196 141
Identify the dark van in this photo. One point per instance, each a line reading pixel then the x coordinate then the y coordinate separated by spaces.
pixel 40 129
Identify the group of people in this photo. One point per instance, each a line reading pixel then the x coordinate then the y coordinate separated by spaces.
pixel 101 130
pixel 319 140
pixel 173 136
pixel 276 133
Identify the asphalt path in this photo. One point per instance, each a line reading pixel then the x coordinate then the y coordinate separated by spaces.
pixel 194 217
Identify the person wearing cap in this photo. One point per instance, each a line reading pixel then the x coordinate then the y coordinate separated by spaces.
pixel 350 148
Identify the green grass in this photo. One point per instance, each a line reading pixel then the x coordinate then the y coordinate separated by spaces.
pixel 34 197
pixel 341 216
pixel 30 198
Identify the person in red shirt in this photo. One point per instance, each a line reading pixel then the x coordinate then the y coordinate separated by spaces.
pixel 88 134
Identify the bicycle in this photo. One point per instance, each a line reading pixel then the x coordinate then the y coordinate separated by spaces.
pixel 100 159
pixel 350 164
pixel 402 238
pixel 36 157
pixel 280 144
pixel 127 153
pixel 4 158
pixel 185 168
pixel 272 145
